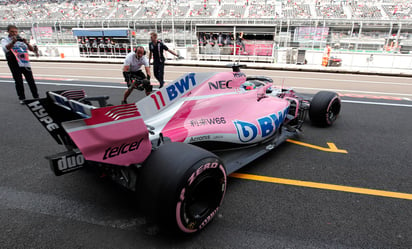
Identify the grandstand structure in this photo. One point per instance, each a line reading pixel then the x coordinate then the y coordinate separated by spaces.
pixel 211 27
pixel 40 10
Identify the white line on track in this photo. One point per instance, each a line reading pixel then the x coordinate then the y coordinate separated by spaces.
pixel 286 77
pixel 71 84
pixel 352 91
pixel 85 85
pixel 214 69
pixel 78 68
pixel 347 81
pixel 71 76
pixel 347 101
pixel 83 68
pixel 375 103
pixel 275 77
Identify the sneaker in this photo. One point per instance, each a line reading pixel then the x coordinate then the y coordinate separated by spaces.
pixel 22 102
pixel 124 102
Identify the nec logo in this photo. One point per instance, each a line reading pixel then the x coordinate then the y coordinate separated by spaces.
pixel 221 84
pixel 266 126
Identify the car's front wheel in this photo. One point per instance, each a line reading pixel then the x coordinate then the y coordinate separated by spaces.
pixel 324 108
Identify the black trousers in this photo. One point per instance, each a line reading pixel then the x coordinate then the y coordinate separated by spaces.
pixel 18 73
pixel 158 71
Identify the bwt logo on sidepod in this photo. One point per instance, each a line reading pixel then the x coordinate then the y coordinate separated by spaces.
pixel 179 88
pixel 267 125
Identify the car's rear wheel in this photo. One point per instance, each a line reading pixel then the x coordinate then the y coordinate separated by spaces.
pixel 324 108
pixel 182 187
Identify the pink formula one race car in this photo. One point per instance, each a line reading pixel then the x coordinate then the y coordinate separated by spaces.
pixel 176 146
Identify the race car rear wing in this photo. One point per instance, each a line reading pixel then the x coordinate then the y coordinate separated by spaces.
pixel 59 107
pixel 115 135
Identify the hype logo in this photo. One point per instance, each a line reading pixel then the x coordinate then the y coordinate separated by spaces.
pixel 267 126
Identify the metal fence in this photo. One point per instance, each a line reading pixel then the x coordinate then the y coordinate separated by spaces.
pixel 265 40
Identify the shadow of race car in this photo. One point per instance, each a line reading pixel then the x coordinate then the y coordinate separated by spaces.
pixel 176 146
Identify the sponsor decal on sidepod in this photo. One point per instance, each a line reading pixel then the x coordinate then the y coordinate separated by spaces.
pixel 267 125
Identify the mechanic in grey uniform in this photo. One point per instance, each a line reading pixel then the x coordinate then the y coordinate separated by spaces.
pixel 131 69
pixel 157 48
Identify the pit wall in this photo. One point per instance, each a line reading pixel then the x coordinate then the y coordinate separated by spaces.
pixel 279 56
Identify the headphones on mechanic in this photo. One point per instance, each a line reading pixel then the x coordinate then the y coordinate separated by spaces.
pixel 144 51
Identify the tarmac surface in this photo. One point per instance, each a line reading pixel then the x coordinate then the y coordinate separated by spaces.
pixel 305 194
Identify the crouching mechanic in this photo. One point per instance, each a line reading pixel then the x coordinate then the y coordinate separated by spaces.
pixel 133 75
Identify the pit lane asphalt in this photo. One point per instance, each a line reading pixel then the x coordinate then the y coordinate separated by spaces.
pixel 81 210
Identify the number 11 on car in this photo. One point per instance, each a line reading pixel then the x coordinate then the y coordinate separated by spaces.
pixel 156 97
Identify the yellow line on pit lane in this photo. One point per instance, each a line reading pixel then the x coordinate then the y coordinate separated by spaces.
pixel 331 146
pixel 355 190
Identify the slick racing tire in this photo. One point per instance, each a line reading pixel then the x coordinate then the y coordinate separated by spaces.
pixel 324 108
pixel 181 187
